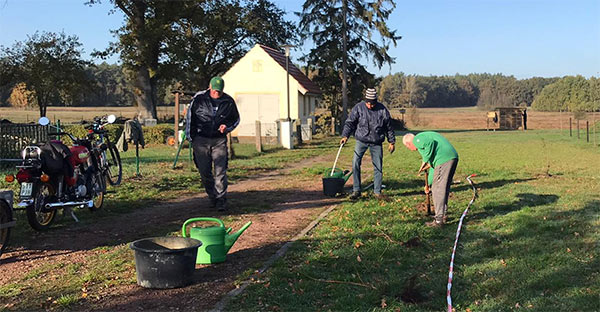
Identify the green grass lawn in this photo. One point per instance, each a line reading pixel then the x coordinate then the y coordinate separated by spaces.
pixel 531 240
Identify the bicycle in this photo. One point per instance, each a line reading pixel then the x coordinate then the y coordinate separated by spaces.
pixel 109 159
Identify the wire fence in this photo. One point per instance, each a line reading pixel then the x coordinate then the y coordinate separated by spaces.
pixel 584 127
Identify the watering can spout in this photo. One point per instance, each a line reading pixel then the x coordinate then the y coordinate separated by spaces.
pixel 347 174
pixel 231 238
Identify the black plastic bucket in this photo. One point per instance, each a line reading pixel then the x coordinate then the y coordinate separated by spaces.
pixel 165 262
pixel 333 186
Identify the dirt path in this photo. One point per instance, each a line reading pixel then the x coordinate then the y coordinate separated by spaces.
pixel 293 203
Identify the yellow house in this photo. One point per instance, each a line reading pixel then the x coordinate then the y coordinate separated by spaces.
pixel 257 82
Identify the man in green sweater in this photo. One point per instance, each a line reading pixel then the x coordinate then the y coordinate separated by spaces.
pixel 441 159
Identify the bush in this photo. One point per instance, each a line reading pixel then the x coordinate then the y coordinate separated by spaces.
pixel 323 123
pixel 158 134
pixel 152 135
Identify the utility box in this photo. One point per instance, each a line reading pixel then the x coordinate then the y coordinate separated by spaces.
pixel 505 118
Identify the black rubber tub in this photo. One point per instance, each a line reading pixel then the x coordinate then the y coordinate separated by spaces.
pixel 333 186
pixel 165 262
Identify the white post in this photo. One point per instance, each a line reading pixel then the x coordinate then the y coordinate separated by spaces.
pixel 286 134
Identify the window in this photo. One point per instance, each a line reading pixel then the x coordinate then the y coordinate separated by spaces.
pixel 257 66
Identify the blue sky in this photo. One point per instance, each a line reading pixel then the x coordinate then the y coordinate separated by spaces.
pixel 524 38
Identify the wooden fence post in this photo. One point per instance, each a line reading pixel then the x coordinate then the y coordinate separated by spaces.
pixel 230 150
pixel 333 126
pixel 258 135
pixel 299 131
pixel 587 131
pixel 570 127
pixel 578 128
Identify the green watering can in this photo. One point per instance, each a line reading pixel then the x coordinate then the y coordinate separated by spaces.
pixel 216 240
pixel 338 174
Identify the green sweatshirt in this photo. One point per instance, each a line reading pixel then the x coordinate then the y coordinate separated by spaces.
pixel 434 149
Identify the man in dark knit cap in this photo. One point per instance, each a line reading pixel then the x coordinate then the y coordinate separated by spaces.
pixel 370 123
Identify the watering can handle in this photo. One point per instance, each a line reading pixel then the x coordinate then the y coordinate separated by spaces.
pixel 188 221
pixel 336 159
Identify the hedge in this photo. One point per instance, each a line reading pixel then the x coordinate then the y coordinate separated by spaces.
pixel 152 135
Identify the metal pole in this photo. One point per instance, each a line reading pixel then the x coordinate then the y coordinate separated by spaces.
pixel 176 118
pixel 578 128
pixel 287 70
pixel 58 128
pixel 137 160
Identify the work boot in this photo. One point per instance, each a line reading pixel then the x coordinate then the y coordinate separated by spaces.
pixel 221 204
pixel 444 219
pixel 434 223
pixel 354 196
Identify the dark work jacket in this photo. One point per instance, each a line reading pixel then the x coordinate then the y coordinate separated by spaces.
pixel 369 125
pixel 200 120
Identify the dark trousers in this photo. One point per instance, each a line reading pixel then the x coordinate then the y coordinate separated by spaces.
pixel 442 179
pixel 209 152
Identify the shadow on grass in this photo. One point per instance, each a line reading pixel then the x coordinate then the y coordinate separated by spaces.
pixel 459 188
pixel 546 255
pixel 523 200
pixel 124 221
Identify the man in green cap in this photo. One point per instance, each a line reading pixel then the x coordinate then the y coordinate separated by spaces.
pixel 211 115
pixel 441 159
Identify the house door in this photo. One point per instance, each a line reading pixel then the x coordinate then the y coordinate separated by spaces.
pixel 263 107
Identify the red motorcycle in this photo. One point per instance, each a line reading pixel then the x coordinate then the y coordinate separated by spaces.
pixel 54 176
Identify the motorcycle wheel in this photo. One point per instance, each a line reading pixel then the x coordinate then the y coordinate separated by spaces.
pixel 99 186
pixel 5 216
pixel 38 219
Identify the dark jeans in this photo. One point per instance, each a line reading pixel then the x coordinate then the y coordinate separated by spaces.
pixel 209 152
pixel 442 179
pixel 377 158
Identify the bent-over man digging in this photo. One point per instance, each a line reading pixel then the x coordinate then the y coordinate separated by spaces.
pixel 441 159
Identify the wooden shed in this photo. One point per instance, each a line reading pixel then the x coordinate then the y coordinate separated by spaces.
pixel 505 118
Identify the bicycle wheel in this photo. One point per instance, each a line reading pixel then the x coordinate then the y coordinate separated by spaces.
pixel 114 169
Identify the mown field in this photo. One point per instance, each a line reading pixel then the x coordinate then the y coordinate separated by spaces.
pixel 77 114
pixel 531 241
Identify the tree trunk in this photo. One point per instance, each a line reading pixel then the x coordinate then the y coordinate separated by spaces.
pixel 143 83
pixel 143 93
pixel 344 64
pixel 42 105
pixel 154 96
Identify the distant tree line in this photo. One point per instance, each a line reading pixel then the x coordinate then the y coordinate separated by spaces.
pixel 487 91
pixel 98 85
